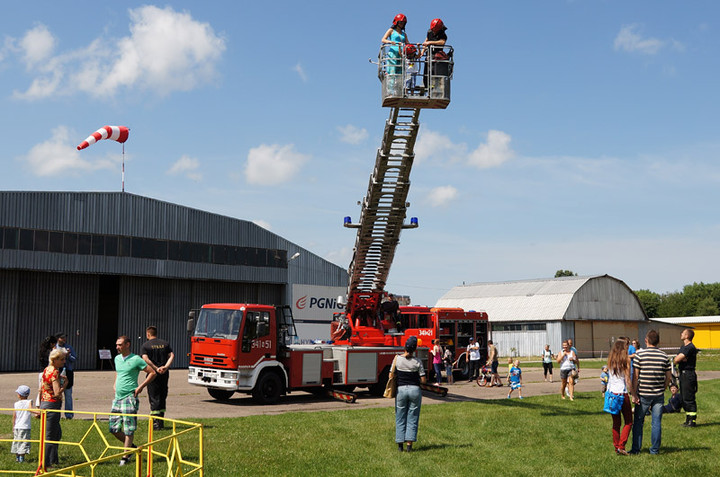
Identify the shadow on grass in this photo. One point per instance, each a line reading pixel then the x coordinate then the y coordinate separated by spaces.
pixel 563 408
pixel 432 447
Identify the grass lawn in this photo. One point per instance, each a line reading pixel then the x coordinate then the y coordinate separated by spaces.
pixel 536 435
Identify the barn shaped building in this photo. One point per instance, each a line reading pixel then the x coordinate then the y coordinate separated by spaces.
pixel 528 314
pixel 96 265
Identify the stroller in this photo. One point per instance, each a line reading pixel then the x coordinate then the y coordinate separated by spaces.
pixel 485 378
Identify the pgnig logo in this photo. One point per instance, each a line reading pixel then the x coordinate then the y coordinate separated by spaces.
pixel 317 302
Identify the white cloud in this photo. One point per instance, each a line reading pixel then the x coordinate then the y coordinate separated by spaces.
pixel 263 224
pixel 431 145
pixel 57 157
pixel 352 134
pixel 187 166
pixel 493 153
pixel 442 196
pixel 273 164
pixel 434 146
pixel 628 39
pixel 166 51
pixel 37 45
pixel 301 72
pixel 342 256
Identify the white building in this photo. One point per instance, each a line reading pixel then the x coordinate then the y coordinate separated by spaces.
pixel 528 314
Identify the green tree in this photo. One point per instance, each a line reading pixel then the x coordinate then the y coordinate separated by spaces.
pixel 565 273
pixel 650 302
pixel 706 307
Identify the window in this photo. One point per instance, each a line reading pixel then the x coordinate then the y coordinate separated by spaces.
pixel 56 242
pixel 84 244
pixel 111 246
pixel 10 239
pixel 26 239
pixel 98 245
pixel 70 243
pixel 41 241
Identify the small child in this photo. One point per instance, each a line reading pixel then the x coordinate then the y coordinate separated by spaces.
pixel 510 367
pixel 515 379
pixel 21 423
pixel 604 376
pixel 675 402
pixel 412 68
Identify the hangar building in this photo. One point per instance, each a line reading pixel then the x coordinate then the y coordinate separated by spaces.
pixel 96 265
pixel 528 314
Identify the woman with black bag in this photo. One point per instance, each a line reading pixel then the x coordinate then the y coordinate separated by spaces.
pixel 410 373
pixel 617 388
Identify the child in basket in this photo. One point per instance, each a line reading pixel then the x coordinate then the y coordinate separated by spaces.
pixel 21 423
pixel 515 379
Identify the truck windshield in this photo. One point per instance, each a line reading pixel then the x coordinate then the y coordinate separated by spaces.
pixel 219 323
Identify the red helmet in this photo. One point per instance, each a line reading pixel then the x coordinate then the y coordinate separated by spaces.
pixel 437 25
pixel 410 50
pixel 399 18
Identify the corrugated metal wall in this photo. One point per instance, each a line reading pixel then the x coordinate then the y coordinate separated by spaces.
pixel 47 304
pixel 45 293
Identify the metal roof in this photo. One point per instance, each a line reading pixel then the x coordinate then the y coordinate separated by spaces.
pixel 688 320
pixel 599 297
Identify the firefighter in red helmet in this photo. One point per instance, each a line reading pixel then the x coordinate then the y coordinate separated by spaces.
pixel 435 36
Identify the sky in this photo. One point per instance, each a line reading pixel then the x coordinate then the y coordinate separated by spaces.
pixel 582 135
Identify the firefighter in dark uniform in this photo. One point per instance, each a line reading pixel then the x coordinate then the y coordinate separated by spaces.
pixel 686 359
pixel 159 355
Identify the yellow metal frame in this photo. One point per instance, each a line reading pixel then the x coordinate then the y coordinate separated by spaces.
pixel 167 448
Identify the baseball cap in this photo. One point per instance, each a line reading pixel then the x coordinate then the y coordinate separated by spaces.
pixel 23 390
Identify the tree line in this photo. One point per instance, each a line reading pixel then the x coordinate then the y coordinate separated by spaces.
pixel 698 299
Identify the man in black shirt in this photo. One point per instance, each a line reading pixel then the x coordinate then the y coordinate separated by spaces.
pixel 159 356
pixel 686 359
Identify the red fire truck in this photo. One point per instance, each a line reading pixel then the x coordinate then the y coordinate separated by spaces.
pixel 247 347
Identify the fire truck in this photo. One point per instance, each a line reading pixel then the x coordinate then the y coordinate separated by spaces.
pixel 249 348
pixel 453 327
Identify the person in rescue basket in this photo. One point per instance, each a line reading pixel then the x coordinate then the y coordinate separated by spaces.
pixel 397 37
pixel 410 373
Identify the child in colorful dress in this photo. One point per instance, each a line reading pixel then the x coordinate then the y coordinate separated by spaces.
pixel 515 379
pixel 604 376
pixel 21 423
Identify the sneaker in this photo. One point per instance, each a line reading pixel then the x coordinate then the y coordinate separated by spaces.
pixel 520 397
pixel 508 396
pixel 124 460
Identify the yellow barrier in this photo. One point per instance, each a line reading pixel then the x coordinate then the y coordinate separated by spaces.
pixel 167 454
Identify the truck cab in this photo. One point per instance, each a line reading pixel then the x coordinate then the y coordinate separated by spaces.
pixel 235 346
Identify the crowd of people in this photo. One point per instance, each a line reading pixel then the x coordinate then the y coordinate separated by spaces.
pixel 56 377
pixel 633 381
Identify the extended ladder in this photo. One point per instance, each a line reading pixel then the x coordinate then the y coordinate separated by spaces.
pixel 383 210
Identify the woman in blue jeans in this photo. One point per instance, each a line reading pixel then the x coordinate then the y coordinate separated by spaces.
pixel 410 373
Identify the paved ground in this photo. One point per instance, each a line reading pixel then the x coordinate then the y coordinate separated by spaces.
pixel 93 391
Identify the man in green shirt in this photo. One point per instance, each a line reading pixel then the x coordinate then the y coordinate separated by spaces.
pixel 127 367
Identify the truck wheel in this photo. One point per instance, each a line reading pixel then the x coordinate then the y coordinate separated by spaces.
pixel 268 389
pixel 464 371
pixel 220 394
pixel 378 389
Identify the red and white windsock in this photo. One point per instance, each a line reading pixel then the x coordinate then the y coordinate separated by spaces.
pixel 116 133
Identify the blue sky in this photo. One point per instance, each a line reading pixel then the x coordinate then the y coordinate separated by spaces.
pixel 582 134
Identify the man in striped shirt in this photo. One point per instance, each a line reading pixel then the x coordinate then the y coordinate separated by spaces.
pixel 650 379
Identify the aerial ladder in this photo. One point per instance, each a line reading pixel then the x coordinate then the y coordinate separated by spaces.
pixel 406 90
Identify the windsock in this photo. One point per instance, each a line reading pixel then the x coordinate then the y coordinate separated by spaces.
pixel 116 133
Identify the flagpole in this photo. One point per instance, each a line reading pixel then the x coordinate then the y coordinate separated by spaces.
pixel 123 168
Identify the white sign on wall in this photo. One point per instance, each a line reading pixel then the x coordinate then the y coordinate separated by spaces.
pixel 313 307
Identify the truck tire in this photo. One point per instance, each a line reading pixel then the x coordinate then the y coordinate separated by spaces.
pixel 377 389
pixel 267 389
pixel 220 394
pixel 464 370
